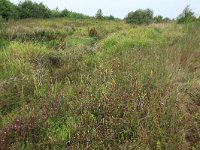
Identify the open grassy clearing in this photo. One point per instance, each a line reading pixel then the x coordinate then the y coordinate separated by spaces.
pixel 129 87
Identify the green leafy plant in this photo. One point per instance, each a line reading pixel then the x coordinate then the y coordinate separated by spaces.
pixel 140 17
pixel 186 16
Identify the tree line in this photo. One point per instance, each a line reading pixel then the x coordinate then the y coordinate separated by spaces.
pixel 29 9
pixel 146 16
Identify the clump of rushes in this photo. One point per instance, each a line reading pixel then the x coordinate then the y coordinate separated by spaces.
pixel 92 32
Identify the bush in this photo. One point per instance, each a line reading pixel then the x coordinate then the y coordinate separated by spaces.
pixel 158 19
pixel 186 16
pixel 55 13
pixel 65 13
pixel 28 9
pixel 140 16
pixel 8 10
pixel 166 19
pixel 77 15
pixel 109 17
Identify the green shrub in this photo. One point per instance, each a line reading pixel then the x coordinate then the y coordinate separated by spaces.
pixel 64 13
pixel 55 13
pixel 158 19
pixel 166 19
pixel 28 9
pixel 8 10
pixel 109 17
pixel 140 16
pixel 186 16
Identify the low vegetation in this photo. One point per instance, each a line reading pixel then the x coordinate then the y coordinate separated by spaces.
pixel 99 84
pixel 109 86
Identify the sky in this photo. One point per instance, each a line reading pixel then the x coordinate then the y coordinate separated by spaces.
pixel 120 8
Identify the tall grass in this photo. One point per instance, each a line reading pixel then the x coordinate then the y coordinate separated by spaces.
pixel 128 88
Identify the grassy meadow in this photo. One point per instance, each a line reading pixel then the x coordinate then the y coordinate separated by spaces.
pixel 65 86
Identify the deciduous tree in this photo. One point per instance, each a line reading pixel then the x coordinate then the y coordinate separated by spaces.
pixel 140 16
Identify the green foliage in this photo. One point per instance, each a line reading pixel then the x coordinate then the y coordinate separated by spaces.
pixel 55 13
pixel 99 14
pixel 64 13
pixel 29 9
pixel 166 19
pixel 77 15
pixel 58 131
pixel 130 88
pixel 186 16
pixel 3 42
pixel 158 19
pixel 140 16
pixel 109 17
pixel 68 14
pixel 8 10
